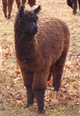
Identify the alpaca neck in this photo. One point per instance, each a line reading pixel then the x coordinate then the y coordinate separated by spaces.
pixel 25 49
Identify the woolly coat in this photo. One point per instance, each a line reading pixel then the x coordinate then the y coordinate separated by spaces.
pixel 36 57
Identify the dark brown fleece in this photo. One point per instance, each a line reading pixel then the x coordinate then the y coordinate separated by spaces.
pixel 43 51
pixel 42 54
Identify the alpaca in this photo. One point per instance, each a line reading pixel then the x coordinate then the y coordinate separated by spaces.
pixel 30 2
pixel 7 6
pixel 73 5
pixel 41 47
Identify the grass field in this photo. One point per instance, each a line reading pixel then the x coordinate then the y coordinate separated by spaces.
pixel 12 91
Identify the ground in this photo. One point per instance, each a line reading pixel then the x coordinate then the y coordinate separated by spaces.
pixel 12 91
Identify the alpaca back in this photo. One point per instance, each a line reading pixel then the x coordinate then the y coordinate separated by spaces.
pixel 54 36
pixel 41 50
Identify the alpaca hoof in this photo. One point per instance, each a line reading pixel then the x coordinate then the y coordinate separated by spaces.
pixel 5 16
pixel 28 106
pixel 56 89
pixel 8 17
pixel 57 86
pixel 74 12
pixel 41 111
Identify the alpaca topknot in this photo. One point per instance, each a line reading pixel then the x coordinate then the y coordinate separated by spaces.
pixel 21 11
pixel 41 53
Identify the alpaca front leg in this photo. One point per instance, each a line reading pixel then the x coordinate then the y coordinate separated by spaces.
pixel 30 97
pixel 10 4
pixel 39 86
pixel 28 80
pixel 39 94
pixel 4 2
pixel 18 3
pixel 23 2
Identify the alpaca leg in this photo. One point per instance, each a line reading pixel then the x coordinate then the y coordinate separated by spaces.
pixel 74 6
pixel 28 79
pixel 39 94
pixel 79 4
pixel 4 2
pixel 69 3
pixel 31 2
pixel 18 3
pixel 30 97
pixel 10 3
pixel 39 86
pixel 57 72
pixel 23 2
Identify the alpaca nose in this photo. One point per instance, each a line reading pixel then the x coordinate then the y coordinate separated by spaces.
pixel 34 25
pixel 33 28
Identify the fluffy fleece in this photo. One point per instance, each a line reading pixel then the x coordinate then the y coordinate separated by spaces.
pixel 41 48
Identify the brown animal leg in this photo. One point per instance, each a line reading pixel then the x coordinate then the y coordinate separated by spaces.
pixel 31 2
pixel 28 78
pixel 23 2
pixel 57 72
pixel 79 4
pixel 39 86
pixel 39 94
pixel 18 3
pixel 10 3
pixel 4 2
pixel 30 97
pixel 74 5
pixel 69 3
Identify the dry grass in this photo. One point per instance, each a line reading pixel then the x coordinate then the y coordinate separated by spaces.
pixel 12 91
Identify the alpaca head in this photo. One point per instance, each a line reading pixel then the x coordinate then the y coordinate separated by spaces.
pixel 26 22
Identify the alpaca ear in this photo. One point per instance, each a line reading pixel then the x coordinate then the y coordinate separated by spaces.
pixel 21 11
pixel 37 9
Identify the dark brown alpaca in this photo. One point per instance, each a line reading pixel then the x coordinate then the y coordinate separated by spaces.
pixel 73 4
pixel 41 50
pixel 7 6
